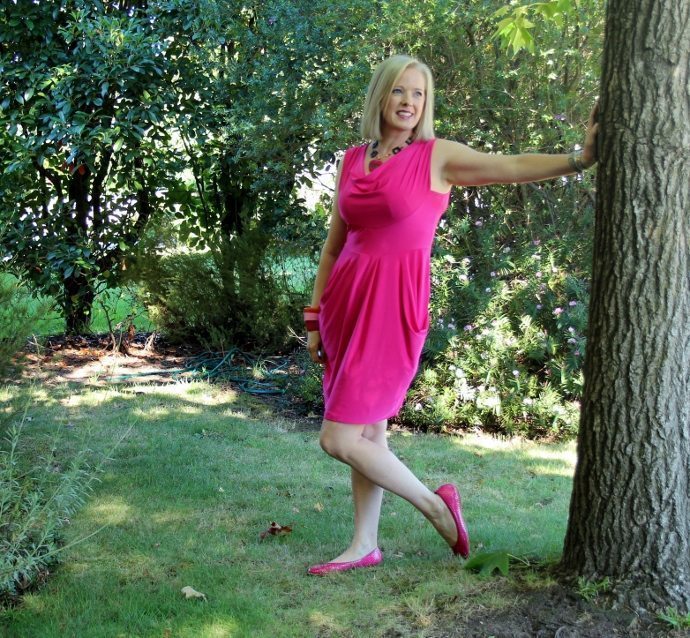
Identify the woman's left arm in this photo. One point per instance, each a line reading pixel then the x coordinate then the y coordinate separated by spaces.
pixel 458 164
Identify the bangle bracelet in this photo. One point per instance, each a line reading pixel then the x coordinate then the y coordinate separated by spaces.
pixel 575 161
pixel 311 318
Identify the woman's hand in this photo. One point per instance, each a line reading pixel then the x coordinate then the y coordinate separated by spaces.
pixel 589 150
pixel 315 347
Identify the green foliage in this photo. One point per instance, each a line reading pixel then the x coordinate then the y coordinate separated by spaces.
pixel 88 102
pixel 500 354
pixel 218 298
pixel 516 30
pixel 590 590
pixel 674 618
pixel 185 125
pixel 19 316
pixel 37 498
pixel 509 312
pixel 19 313
pixel 308 387
pixel 486 563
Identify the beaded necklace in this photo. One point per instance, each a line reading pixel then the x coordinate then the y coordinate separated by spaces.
pixel 376 161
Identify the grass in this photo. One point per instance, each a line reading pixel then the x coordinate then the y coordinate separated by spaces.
pixel 201 472
pixel 119 302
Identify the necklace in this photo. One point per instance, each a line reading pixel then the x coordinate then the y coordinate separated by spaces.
pixel 376 161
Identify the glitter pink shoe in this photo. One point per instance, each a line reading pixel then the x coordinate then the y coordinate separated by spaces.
pixel 451 497
pixel 370 560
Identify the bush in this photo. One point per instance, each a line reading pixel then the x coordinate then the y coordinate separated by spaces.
pixel 307 387
pixel 509 312
pixel 37 497
pixel 19 315
pixel 219 298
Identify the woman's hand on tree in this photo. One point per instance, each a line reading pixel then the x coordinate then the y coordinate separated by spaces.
pixel 589 150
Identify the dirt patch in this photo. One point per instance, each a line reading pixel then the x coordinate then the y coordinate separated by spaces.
pixel 91 360
pixel 555 612
pixel 150 359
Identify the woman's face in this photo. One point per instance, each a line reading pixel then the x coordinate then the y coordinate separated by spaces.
pixel 405 103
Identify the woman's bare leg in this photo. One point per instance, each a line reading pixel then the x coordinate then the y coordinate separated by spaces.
pixel 367 498
pixel 376 463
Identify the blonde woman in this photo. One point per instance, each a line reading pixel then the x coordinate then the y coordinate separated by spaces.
pixel 368 317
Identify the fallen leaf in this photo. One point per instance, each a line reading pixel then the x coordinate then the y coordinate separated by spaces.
pixel 275 530
pixel 318 507
pixel 190 592
pixel 488 562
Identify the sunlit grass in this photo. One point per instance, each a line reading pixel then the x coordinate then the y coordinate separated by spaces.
pixel 197 477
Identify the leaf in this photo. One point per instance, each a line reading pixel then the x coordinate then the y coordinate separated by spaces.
pixel 275 530
pixel 190 592
pixel 487 562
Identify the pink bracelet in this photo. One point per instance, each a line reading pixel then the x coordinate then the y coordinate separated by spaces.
pixel 311 318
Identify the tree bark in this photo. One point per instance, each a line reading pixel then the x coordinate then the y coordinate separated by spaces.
pixel 630 508
pixel 78 302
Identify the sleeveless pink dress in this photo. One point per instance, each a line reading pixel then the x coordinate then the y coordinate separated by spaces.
pixel 374 313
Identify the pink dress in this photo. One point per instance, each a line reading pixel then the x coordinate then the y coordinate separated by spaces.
pixel 374 313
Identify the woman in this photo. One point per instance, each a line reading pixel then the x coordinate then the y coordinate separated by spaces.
pixel 369 312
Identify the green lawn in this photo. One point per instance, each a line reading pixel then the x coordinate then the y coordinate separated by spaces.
pixel 202 472
pixel 118 303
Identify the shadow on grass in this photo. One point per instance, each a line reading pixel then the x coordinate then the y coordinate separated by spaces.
pixel 197 479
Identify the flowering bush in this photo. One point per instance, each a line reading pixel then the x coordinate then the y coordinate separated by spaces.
pixel 509 312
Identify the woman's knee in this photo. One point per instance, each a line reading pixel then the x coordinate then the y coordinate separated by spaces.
pixel 338 442
pixel 331 444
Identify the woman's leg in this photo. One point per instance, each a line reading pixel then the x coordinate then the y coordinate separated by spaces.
pixel 367 498
pixel 376 463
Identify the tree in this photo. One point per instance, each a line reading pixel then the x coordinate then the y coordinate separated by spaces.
pixel 89 92
pixel 630 508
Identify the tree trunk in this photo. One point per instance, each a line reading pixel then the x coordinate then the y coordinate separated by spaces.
pixel 630 508
pixel 78 302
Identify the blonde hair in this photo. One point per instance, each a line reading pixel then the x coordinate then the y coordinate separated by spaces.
pixel 385 77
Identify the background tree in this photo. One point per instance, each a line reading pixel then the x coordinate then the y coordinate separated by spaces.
pixel 630 508
pixel 87 95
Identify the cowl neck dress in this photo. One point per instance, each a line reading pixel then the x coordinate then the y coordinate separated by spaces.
pixel 374 310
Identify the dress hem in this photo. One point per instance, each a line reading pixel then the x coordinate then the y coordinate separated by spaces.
pixel 349 421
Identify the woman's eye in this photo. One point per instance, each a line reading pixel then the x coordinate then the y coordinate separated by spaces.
pixel 397 91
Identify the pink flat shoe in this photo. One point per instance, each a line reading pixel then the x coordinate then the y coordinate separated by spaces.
pixel 370 560
pixel 451 497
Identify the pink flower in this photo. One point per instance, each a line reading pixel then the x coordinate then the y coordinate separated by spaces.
pixel 557 311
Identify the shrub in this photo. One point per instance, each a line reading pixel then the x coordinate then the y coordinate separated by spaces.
pixel 19 315
pixel 509 312
pixel 36 500
pixel 219 298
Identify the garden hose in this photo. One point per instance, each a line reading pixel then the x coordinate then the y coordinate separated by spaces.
pixel 254 375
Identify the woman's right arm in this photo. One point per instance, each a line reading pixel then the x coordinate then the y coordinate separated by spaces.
pixel 334 243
